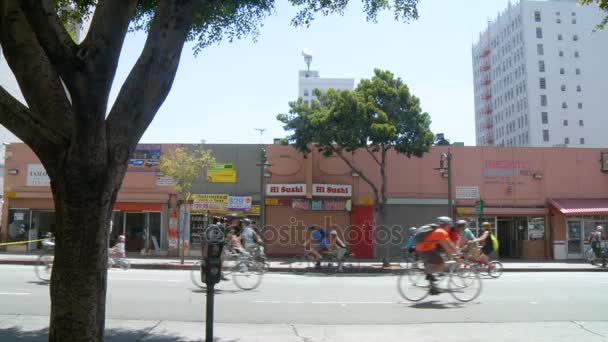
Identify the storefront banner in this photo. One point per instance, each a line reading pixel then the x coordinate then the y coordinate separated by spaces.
pixel 173 230
pixel 332 190
pixel 255 210
pixel 37 176
pixel 335 205
pixel 221 173
pixel 239 202
pixel 278 201
pixel 162 180
pixel 316 205
pixel 145 158
pixel 286 189
pixel 301 204
pixel 184 217
pixel 210 202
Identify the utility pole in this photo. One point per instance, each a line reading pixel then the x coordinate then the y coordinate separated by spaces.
pixel 450 203
pixel 262 166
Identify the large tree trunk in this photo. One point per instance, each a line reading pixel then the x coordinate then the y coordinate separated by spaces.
pixel 84 192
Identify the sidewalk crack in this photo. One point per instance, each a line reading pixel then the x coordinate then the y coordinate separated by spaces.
pixel 295 331
pixel 148 331
pixel 580 325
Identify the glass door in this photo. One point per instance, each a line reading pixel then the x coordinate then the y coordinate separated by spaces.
pixel 135 231
pixel 575 239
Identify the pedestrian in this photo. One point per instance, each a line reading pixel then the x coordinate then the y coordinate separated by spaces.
pixel 595 240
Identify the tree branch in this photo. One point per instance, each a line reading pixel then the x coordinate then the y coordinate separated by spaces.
pixel 27 125
pixel 100 50
pixel 355 169
pixel 373 155
pixel 151 78
pixel 39 82
pixel 52 36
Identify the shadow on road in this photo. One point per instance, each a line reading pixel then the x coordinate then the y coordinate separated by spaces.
pixel 434 304
pixel 111 335
pixel 39 282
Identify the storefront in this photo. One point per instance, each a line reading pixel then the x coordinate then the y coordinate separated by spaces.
pixel 574 220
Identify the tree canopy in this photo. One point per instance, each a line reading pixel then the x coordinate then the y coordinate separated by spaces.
pixel 602 5
pixel 185 165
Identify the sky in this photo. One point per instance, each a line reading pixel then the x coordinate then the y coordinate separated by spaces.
pixel 230 89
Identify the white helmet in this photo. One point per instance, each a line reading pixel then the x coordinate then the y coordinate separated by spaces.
pixel 444 220
pixel 413 230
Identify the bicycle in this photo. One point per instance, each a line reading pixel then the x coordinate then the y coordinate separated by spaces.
pixel 122 263
pixel 331 262
pixel 246 272
pixel 44 265
pixel 462 282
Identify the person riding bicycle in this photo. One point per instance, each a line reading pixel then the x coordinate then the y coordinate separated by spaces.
pixel 437 240
pixel 316 243
pixel 336 246
pixel 595 240
pixel 410 244
pixel 466 239
pixel 487 246
pixel 118 250
pixel 250 239
pixel 232 241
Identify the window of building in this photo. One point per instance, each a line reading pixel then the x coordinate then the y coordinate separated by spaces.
pixel 566 141
pixel 543 100
pixel 541 66
pixel 578 71
pixel 573 14
pixel 539 33
pixel 305 92
pixel 543 83
pixel 557 14
pixel 559 21
pixel 540 50
pixel 582 141
pixel 306 102
pixel 545 135
pixel 537 16
pixel 559 37
pixel 574 21
pixel 581 123
pixel 564 105
pixel 544 117
pixel 563 87
pixel 565 122
pixel 576 54
pixel 575 38
pixel 580 105
pixel 562 71
pixel 561 53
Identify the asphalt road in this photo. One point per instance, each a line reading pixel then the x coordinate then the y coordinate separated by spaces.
pixel 318 299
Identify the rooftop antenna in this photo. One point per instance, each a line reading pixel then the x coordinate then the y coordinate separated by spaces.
pixel 307 53
pixel 261 130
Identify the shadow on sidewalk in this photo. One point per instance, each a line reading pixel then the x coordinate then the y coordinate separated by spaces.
pixel 111 335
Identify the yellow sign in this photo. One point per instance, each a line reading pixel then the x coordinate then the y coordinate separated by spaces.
pixel 255 210
pixel 221 173
pixel 464 211
pixel 272 201
pixel 209 202
pixel 10 194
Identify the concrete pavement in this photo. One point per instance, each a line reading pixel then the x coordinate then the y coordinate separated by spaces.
pixel 363 266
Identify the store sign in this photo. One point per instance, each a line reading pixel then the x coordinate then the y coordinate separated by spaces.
pixel 37 176
pixel 210 202
pixel 239 202
pixel 278 202
pixel 162 180
pixel 335 205
pixel 221 173
pixel 145 158
pixel 286 189
pixel 332 190
pixel 255 210
pixel 508 172
pixel 173 230
pixel 301 204
pixel 319 205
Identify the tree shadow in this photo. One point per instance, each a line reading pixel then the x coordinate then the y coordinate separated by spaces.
pixel 39 282
pixel 111 335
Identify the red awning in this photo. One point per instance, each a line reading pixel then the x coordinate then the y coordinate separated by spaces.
pixel 580 207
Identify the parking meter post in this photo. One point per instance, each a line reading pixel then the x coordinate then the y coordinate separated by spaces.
pixel 209 313
pixel 211 271
pixel 603 251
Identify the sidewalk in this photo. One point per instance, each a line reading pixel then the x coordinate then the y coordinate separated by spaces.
pixel 365 266
pixel 35 329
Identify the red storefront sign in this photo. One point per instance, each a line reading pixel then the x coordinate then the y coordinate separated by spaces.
pixel 332 190
pixel 286 189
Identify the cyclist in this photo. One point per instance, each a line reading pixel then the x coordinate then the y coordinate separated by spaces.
pixel 435 241
pixel 466 239
pixel 337 247
pixel 594 240
pixel 316 243
pixel 487 247
pixel 250 239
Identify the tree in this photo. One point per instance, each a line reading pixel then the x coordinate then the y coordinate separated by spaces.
pixel 379 115
pixel 84 145
pixel 185 165
pixel 602 5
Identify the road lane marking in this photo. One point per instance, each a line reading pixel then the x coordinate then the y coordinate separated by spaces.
pixel 323 302
pixel 153 280
pixel 15 293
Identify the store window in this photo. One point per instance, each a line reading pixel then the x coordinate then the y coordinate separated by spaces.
pixel 18 225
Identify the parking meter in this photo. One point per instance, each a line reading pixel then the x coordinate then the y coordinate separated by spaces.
pixel 212 246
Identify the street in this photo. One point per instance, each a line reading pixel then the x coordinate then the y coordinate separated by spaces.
pixel 549 304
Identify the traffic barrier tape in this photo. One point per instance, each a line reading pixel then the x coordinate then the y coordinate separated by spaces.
pixel 22 242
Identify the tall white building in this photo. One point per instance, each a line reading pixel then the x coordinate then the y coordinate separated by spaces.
pixel 309 80
pixel 540 76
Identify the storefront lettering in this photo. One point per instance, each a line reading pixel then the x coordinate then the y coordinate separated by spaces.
pixel 504 171
pixel 332 190
pixel 286 189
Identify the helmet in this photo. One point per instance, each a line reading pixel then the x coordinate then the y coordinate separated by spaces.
pixel 247 221
pixel 444 220
pixel 599 228
pixel 333 232
pixel 413 230
pixel 121 238
pixel 461 223
pixel 233 216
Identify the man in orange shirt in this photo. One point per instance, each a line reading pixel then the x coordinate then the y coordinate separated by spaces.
pixel 434 242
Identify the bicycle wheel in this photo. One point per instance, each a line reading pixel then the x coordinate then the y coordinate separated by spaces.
pixel 495 269
pixel 44 267
pixel 413 285
pixel 229 263
pixel 465 283
pixel 195 275
pixel 301 264
pixel 247 275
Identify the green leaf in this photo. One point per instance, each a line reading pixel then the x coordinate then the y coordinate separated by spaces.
pixel 185 165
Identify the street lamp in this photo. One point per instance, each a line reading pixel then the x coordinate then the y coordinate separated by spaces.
pixel 445 169
pixel 263 165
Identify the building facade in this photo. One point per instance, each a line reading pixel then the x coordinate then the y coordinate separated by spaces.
pixel 538 77
pixel 310 80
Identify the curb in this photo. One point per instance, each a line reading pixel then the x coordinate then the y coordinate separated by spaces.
pixel 188 267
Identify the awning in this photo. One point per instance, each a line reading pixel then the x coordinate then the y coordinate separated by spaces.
pixel 580 207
